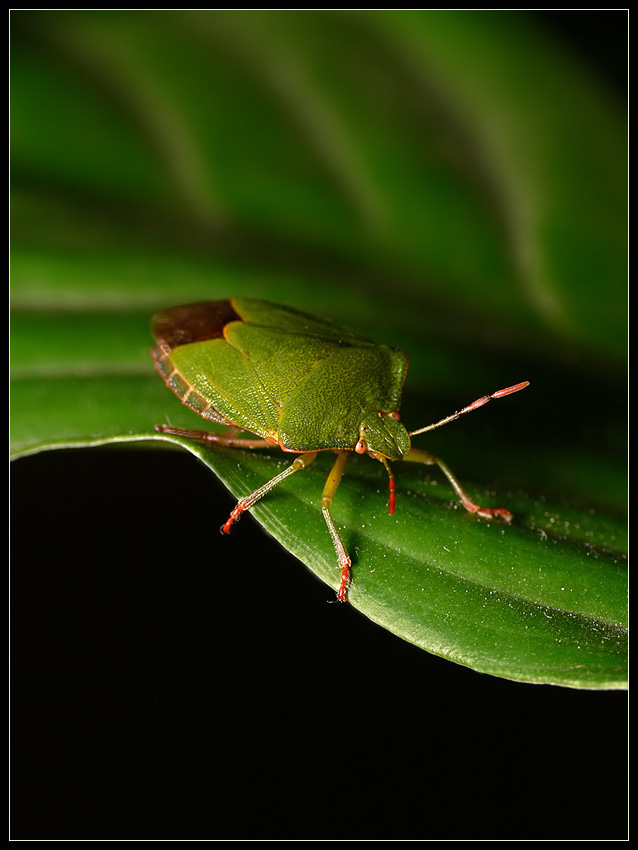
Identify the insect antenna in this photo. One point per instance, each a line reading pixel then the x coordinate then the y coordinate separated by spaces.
pixel 474 406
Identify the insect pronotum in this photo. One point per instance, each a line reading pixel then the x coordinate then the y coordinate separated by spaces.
pixel 302 383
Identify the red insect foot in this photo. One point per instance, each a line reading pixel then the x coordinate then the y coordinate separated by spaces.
pixel 345 581
pixel 486 513
pixel 236 512
pixel 499 513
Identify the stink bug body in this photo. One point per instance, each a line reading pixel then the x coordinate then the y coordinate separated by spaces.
pixel 296 381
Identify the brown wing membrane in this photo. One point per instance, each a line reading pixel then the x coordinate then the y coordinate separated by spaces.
pixel 191 323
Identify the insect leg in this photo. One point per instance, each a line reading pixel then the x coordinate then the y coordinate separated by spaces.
pixel 391 486
pixel 300 462
pixel 327 496
pixel 229 439
pixel 420 456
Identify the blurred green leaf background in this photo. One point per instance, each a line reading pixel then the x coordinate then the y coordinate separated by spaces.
pixel 451 182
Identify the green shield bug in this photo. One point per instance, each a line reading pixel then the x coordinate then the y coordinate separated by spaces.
pixel 297 381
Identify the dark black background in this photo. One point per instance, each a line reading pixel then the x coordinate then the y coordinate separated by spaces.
pixel 159 695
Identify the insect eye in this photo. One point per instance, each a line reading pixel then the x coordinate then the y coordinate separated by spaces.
pixel 395 415
pixel 361 447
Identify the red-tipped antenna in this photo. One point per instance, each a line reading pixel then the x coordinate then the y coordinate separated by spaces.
pixel 475 404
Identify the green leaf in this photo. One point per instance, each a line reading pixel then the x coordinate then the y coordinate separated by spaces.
pixel 542 601
pixel 403 173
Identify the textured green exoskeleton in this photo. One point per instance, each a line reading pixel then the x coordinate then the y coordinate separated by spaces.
pixel 297 381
